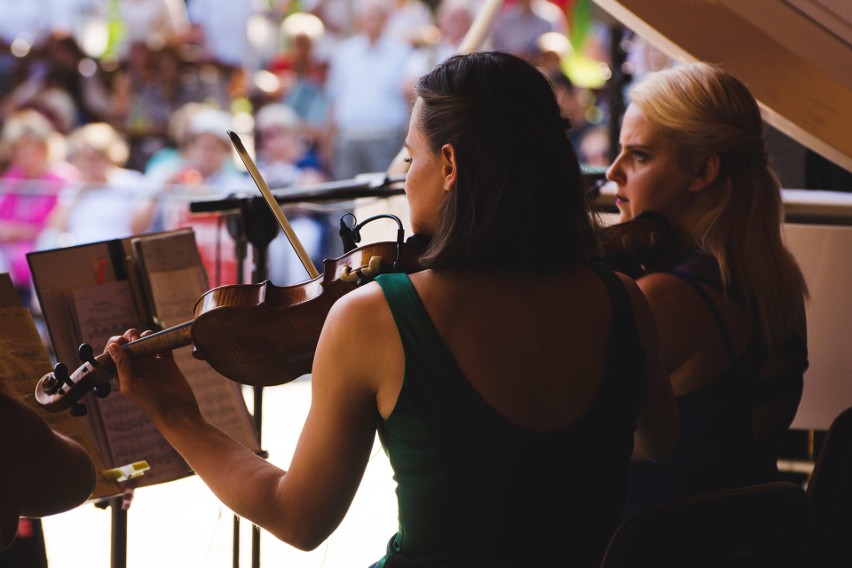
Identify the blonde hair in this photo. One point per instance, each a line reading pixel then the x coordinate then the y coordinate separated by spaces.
pixel 102 138
pixel 30 124
pixel 27 124
pixel 706 111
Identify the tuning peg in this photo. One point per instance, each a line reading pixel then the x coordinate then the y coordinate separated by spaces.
pixel 86 353
pixel 102 390
pixel 60 371
pixel 77 409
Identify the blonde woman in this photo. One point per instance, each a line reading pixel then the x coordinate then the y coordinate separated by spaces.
pixel 109 200
pixel 731 310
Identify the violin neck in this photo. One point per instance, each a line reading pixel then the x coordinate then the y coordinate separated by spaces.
pixel 160 342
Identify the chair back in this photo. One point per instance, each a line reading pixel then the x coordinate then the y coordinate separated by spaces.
pixel 761 525
pixel 830 493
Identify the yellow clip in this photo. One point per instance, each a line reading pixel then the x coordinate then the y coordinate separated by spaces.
pixel 126 472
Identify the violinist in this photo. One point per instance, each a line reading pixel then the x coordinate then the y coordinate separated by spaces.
pixel 510 381
pixel 730 310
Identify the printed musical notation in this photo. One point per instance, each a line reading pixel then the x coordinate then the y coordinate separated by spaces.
pixel 98 312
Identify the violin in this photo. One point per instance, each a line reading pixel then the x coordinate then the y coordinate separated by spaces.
pixel 254 334
pixel 637 247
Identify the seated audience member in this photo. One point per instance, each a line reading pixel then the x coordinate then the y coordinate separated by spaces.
pixel 495 415
pixel 202 168
pixel 366 90
pixel 104 202
pixel 29 187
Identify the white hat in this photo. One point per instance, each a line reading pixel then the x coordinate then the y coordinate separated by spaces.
pixel 210 121
pixel 277 114
pixel 302 23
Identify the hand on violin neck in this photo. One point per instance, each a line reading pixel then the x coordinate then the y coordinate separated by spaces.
pixel 154 383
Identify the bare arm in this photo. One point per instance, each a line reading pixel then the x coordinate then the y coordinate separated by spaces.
pixel 44 472
pixel 657 426
pixel 301 506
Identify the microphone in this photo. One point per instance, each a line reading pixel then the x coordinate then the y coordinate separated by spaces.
pixel 349 235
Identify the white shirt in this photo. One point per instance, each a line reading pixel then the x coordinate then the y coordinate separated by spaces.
pixel 365 84
pixel 225 28
pixel 101 213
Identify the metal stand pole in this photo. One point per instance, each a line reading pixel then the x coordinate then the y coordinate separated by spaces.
pixel 118 542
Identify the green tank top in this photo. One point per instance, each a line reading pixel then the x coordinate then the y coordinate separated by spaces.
pixel 475 489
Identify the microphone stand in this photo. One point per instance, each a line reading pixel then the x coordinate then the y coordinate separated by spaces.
pixel 254 225
pixel 366 186
pixel 249 222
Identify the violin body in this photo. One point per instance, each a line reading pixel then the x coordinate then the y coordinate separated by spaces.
pixel 254 334
pixel 264 335
pixel 637 247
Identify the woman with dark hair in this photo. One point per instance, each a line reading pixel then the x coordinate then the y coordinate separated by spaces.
pixel 510 381
pixel 731 310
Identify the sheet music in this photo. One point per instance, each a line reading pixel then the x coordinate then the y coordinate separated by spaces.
pixel 174 274
pixel 174 293
pixel 90 292
pixel 23 361
pixel 124 433
pixel 132 437
pixel 176 279
pixel 98 312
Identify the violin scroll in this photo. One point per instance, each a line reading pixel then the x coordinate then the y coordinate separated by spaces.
pixel 60 390
pixel 637 247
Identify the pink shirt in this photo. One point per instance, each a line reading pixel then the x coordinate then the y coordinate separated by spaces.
pixel 26 201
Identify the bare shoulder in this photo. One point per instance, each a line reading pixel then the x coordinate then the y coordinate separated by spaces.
pixel 659 283
pixel 666 292
pixel 364 305
pixel 639 301
pixel 360 350
pixel 359 325
pixel 678 310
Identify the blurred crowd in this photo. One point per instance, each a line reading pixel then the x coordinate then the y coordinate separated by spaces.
pixel 115 113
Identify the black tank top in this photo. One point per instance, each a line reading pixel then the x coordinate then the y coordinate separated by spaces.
pixel 716 448
pixel 475 489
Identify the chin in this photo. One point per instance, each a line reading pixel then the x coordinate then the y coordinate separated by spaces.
pixel 625 214
pixel 422 230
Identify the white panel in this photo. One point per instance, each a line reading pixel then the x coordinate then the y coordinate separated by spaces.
pixel 823 252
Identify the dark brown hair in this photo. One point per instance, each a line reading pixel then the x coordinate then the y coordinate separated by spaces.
pixel 519 200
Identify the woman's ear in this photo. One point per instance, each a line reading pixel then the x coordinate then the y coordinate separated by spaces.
pixel 448 165
pixel 706 172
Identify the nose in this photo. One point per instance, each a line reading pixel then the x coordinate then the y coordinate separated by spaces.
pixel 614 172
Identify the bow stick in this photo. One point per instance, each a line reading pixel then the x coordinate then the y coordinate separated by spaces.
pixel 273 205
